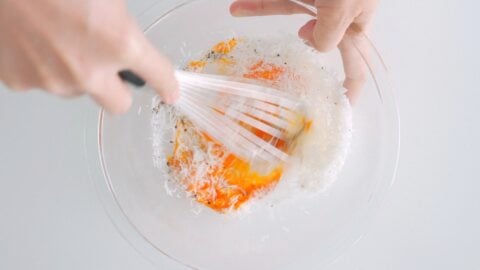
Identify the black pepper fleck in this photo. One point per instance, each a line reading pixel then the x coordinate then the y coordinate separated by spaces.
pixel 278 55
pixel 175 126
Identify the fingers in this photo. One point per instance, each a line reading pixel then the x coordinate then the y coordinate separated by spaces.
pixel 243 8
pixel 331 25
pixel 354 51
pixel 153 67
pixel 325 34
pixel 306 32
pixel 111 93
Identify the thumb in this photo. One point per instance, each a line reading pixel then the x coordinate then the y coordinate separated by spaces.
pixel 154 68
pixel 326 32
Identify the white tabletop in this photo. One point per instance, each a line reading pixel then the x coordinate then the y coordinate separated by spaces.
pixel 50 217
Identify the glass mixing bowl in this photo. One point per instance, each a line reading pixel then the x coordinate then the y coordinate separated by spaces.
pixel 302 233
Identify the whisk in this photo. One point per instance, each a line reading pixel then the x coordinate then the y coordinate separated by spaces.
pixel 227 110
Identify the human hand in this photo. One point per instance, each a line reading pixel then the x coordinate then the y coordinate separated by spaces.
pixel 339 23
pixel 74 47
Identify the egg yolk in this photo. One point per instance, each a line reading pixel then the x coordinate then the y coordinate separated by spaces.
pixel 229 183
pixel 266 71
pixel 225 47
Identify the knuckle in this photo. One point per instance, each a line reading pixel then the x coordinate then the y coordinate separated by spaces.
pixel 58 88
pixel 51 86
pixel 17 85
pixel 23 87
pixel 72 93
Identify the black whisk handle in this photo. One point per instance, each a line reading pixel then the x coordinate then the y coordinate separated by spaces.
pixel 129 76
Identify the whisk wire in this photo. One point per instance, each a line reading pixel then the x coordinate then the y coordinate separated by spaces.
pixel 239 139
pixel 221 84
pixel 225 109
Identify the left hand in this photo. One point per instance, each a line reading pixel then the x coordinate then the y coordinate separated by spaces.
pixel 71 48
pixel 339 23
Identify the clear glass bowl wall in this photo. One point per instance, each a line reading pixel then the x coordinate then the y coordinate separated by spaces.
pixel 305 233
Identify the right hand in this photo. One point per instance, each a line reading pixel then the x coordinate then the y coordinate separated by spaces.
pixel 70 48
pixel 338 23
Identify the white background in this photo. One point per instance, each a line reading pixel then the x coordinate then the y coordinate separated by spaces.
pixel 50 217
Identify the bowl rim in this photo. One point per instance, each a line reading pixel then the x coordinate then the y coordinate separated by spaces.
pixel 103 183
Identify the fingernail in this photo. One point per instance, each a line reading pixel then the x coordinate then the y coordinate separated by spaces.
pixel 170 98
pixel 126 105
pixel 240 12
pixel 174 96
